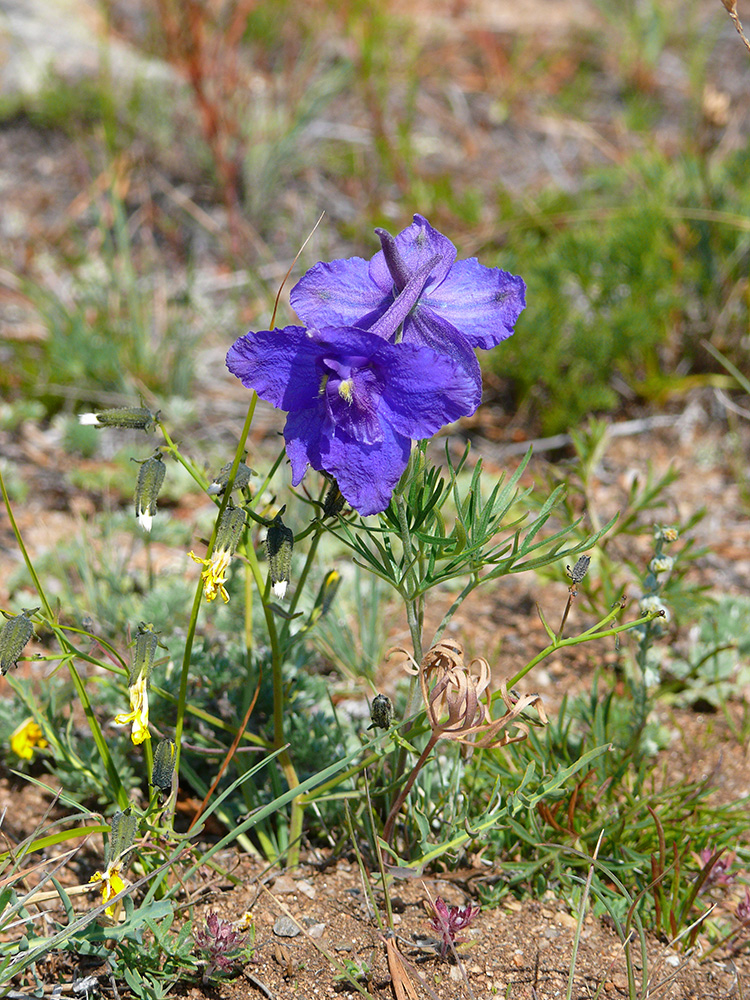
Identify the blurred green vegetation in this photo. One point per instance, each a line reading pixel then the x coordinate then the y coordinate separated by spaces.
pixel 626 273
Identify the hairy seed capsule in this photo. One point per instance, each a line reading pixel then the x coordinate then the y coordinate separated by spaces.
pixel 334 501
pixel 381 712
pixel 241 479
pixel 163 769
pixel 121 837
pixel 230 529
pixel 134 417
pixel 145 642
pixel 279 545
pixel 150 478
pixel 14 635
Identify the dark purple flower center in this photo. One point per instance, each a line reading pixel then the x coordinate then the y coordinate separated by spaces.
pixel 351 389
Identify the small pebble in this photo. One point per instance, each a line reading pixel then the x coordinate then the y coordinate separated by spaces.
pixel 286 927
pixel 284 885
pixel 305 888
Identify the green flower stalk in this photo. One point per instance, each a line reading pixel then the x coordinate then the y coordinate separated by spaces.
pixel 14 635
pixel 150 478
pixel 228 537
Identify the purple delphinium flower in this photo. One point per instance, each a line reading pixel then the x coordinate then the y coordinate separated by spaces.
pixel 355 401
pixel 415 290
pixel 448 920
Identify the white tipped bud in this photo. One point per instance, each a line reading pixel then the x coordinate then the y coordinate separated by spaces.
pixel 279 544
pixel 150 478
pixel 134 417
pixel 145 520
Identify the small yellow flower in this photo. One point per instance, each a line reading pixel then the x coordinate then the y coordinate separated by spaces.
pixel 138 714
pixel 112 883
pixel 25 738
pixel 214 576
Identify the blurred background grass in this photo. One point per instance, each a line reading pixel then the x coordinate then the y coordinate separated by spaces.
pixel 599 150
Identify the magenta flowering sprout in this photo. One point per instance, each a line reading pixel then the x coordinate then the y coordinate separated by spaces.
pixel 447 921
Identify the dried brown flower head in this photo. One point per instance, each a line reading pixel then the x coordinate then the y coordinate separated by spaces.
pixel 458 701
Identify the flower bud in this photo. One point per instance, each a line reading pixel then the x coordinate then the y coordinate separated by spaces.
pixel 121 837
pixel 279 544
pixel 134 417
pixel 150 478
pixel 381 712
pixel 667 534
pixel 14 635
pixel 651 604
pixel 163 769
pixel 579 571
pixel 328 590
pixel 145 642
pixel 334 501
pixel 661 564
pixel 241 479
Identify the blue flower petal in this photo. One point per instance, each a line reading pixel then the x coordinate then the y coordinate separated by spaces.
pixel 340 293
pixel 426 328
pixel 367 474
pixel 279 364
pixel 482 302
pixel 302 433
pixel 424 391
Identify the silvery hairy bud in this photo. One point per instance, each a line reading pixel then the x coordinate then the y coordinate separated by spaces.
pixel 579 571
pixel 14 635
pixel 381 712
pixel 150 478
pixel 279 544
pixel 134 417
pixel 241 479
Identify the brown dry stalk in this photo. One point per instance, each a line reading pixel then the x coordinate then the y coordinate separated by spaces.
pixel 731 8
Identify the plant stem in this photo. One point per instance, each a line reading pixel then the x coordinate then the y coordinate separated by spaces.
pixel 101 744
pixel 285 761
pixel 595 632
pixel 401 797
pixel 192 624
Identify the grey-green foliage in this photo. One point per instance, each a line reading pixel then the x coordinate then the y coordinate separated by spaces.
pixel 490 536
pixel 353 633
pixel 624 278
pixel 716 666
